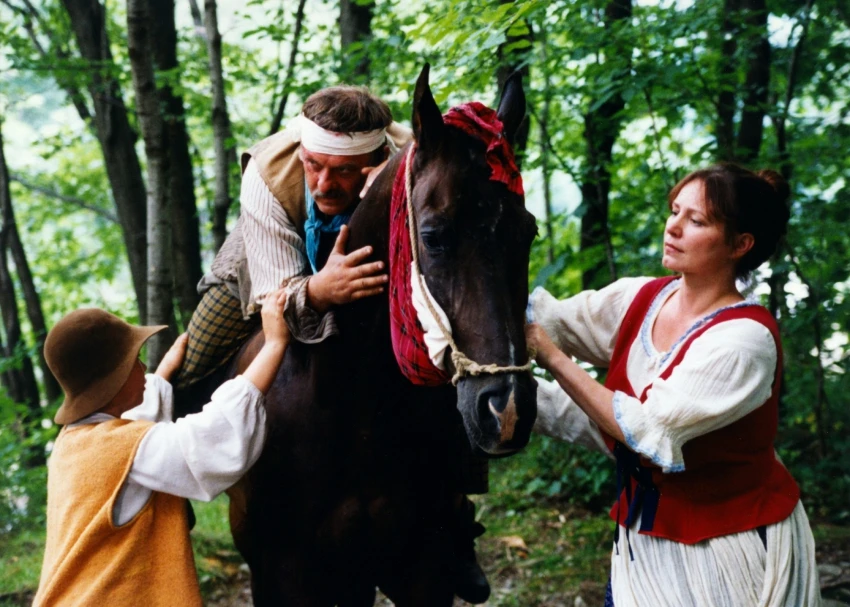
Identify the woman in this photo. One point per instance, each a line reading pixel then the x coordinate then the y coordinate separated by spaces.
pixel 709 515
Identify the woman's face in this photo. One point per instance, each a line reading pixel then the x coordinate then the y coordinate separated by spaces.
pixel 694 243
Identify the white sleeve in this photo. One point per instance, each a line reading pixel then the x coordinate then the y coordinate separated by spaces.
pixel 201 455
pixel 585 325
pixel 727 372
pixel 275 251
pixel 559 417
pixel 158 403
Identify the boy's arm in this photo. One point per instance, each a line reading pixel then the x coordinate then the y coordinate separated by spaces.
pixel 201 455
pixel 158 403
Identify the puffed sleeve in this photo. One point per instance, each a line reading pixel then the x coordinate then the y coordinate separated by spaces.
pixel 727 372
pixel 201 455
pixel 560 417
pixel 585 325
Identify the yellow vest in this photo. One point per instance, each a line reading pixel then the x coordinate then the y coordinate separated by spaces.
pixel 89 561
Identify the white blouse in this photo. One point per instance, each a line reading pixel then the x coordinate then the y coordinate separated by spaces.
pixel 726 373
pixel 197 456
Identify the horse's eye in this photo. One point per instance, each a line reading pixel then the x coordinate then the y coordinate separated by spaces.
pixel 436 241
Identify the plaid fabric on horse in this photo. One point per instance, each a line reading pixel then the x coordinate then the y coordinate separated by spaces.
pixel 216 332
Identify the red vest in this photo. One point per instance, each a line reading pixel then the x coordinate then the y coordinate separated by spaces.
pixel 732 481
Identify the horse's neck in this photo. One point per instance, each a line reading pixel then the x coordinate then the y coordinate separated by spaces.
pixel 366 322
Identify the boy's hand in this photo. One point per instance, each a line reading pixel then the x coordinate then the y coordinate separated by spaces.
pixel 173 359
pixel 275 329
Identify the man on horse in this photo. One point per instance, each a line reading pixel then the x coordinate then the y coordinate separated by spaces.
pixel 299 189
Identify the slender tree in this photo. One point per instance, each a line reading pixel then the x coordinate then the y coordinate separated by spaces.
pixel 514 55
pixel 159 290
pixel 225 147
pixel 279 105
pixel 19 380
pixel 355 27
pixel 180 193
pixel 602 125
pixel 116 137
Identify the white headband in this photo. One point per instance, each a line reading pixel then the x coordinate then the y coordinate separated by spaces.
pixel 319 140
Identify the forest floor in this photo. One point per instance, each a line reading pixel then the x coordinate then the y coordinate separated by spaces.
pixel 543 554
pixel 549 555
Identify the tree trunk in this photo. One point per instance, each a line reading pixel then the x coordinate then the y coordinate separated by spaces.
pixel 602 126
pixel 20 381
pixel 116 136
pixel 355 25
pixel 757 81
pixel 725 125
pixel 180 194
pixel 512 60
pixel 225 149
pixel 139 46
pixel 545 147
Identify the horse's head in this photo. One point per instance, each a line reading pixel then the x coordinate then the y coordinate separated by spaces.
pixel 474 237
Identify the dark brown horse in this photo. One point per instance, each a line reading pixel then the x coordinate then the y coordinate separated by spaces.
pixel 355 487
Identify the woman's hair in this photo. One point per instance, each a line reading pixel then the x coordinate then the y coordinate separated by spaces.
pixel 347 109
pixel 745 202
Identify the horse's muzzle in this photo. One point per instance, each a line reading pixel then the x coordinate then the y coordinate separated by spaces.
pixel 498 411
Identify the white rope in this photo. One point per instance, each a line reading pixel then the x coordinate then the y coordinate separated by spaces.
pixel 464 366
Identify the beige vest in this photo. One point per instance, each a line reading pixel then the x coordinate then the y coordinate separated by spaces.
pixel 87 559
pixel 280 167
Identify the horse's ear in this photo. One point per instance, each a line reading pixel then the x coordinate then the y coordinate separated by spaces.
pixel 427 119
pixel 512 105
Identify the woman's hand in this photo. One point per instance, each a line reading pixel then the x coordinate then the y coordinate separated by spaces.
pixel 538 341
pixel 173 359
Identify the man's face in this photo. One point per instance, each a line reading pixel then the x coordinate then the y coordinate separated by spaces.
pixel 335 181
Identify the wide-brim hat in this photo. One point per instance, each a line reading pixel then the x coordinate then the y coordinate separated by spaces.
pixel 92 352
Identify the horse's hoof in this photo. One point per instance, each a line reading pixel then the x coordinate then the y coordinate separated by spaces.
pixel 470 583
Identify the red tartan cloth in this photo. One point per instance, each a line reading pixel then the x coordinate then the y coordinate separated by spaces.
pixel 408 339
pixel 409 347
pixel 481 122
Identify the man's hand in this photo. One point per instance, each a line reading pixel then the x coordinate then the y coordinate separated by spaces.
pixel 345 278
pixel 173 359
pixel 371 173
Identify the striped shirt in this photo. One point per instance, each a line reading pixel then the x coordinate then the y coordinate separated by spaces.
pixel 276 257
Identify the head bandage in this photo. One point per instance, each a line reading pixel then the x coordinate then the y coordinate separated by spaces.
pixel 321 141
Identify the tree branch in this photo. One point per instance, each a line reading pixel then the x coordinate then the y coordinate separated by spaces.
pixel 290 69
pixel 64 198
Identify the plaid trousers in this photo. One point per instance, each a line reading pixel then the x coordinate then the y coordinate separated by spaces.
pixel 216 332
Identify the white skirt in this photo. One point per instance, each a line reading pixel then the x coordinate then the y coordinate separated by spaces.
pixel 728 571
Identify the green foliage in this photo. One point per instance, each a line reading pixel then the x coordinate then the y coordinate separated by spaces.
pixel 548 469
pixel 23 487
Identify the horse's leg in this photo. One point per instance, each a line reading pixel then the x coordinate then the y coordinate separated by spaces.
pixel 421 577
pixel 288 581
pixel 362 597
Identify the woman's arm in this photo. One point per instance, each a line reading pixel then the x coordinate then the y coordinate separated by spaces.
pixel 594 399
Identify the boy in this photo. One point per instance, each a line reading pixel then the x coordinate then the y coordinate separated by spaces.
pixel 117 530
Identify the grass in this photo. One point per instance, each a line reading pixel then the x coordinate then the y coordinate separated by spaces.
pixel 537 551
pixel 20 563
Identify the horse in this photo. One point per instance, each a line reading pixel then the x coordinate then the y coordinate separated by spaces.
pixel 355 489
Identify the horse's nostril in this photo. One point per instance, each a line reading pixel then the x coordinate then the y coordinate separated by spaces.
pixel 498 401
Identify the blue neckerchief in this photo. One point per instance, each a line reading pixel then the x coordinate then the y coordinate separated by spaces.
pixel 317 223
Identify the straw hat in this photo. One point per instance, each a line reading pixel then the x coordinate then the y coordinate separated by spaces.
pixel 92 352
